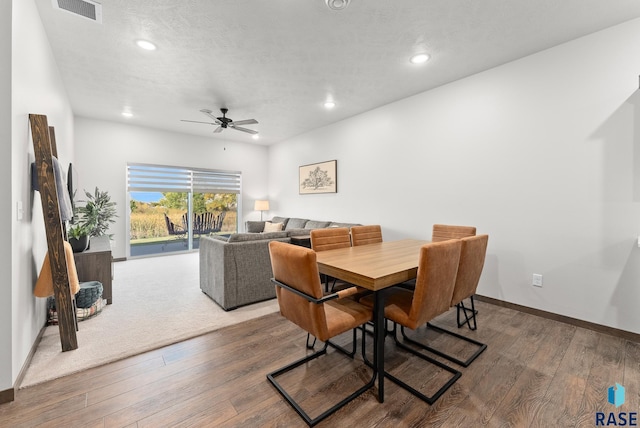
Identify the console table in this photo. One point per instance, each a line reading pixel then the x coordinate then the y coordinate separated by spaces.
pixel 95 264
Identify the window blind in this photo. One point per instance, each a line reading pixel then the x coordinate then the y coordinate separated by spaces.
pixel 158 178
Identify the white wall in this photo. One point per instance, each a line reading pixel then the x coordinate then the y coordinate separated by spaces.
pixel 542 154
pixel 36 88
pixel 103 150
pixel 6 380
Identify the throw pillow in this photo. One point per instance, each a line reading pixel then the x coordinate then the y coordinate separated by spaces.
pixel 272 227
pixel 255 226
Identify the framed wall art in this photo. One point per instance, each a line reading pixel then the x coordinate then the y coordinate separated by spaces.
pixel 318 178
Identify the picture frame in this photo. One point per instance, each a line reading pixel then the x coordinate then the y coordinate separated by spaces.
pixel 318 178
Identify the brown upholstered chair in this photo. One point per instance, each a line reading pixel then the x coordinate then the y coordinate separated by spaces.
pixel 301 301
pixel 442 232
pixel 472 255
pixel 435 282
pixel 364 235
pixel 330 238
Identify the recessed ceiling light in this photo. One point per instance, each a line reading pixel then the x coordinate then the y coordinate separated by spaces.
pixel 420 58
pixel 329 105
pixel 255 136
pixel 146 45
pixel 337 4
pixel 127 114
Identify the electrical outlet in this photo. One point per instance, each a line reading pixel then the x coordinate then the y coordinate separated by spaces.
pixel 537 280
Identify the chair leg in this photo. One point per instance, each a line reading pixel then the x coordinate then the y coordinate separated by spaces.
pixel 433 398
pixel 465 363
pixel 271 377
pixel 460 307
pixel 429 400
pixel 310 346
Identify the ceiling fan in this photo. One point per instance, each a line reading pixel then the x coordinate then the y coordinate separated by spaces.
pixel 225 122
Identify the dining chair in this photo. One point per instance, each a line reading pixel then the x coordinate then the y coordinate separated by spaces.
pixel 472 255
pixel 330 238
pixel 442 232
pixel 364 235
pixel 431 297
pixel 301 301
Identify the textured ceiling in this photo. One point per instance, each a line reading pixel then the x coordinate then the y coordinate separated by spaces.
pixel 277 61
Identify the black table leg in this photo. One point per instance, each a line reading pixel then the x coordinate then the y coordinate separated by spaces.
pixel 379 333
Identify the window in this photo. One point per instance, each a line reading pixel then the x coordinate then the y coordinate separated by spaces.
pixel 171 207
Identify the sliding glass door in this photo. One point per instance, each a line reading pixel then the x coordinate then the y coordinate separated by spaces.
pixel 172 207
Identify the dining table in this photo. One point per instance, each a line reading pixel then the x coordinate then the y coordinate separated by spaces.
pixel 375 267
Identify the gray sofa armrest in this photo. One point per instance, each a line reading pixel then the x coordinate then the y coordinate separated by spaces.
pixel 217 271
pixel 238 273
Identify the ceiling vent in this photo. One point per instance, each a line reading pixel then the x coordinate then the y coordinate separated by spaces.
pixel 85 8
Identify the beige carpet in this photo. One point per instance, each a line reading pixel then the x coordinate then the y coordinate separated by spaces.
pixel 156 301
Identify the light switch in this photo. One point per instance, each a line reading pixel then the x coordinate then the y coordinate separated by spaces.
pixel 19 211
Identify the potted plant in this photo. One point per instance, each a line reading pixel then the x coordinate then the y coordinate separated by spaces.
pixel 78 237
pixel 97 213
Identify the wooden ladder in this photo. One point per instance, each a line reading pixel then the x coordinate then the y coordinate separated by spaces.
pixel 44 145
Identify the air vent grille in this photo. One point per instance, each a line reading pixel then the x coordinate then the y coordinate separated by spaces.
pixel 85 8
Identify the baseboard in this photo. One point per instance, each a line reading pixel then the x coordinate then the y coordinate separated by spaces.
pixel 27 363
pixel 623 334
pixel 7 395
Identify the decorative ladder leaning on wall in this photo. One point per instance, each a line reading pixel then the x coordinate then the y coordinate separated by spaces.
pixel 44 145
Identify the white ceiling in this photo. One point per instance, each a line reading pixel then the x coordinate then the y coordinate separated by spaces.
pixel 277 61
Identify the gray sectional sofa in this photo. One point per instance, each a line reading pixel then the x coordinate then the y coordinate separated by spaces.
pixel 236 271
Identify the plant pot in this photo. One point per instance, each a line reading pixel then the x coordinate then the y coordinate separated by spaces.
pixel 80 244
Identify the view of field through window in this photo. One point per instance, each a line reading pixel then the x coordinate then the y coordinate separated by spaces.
pixel 159 221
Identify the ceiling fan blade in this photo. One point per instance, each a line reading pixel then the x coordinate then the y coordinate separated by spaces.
pixel 208 113
pixel 196 121
pixel 245 122
pixel 238 128
pixel 218 129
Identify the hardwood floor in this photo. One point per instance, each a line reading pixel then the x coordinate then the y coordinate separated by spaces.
pixel 535 372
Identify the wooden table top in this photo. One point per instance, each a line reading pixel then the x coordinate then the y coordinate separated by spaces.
pixel 373 266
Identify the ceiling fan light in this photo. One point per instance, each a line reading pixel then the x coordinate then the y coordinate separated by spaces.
pixel 420 58
pixel 329 105
pixel 127 114
pixel 337 4
pixel 255 136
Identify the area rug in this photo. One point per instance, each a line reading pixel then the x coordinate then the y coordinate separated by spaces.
pixel 157 301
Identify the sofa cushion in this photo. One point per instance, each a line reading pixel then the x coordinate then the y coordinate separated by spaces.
pixel 255 226
pixel 296 223
pixel 349 225
pixel 283 220
pixel 272 227
pixel 243 237
pixel 298 232
pixel 224 238
pixel 313 224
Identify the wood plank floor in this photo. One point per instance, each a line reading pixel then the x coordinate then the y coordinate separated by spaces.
pixel 536 372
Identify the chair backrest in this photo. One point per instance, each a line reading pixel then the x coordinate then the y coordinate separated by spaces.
pixel 363 235
pixel 435 281
pixel 217 221
pixel 330 238
pixel 442 232
pixel 296 267
pixel 472 256
pixel 170 226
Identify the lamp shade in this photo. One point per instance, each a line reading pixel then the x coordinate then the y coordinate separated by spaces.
pixel 261 206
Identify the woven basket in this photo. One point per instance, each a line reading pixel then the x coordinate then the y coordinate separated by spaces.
pixel 89 293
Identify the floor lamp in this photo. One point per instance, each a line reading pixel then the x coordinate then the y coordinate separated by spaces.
pixel 261 206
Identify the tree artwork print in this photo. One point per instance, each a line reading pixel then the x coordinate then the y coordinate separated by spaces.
pixel 318 178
